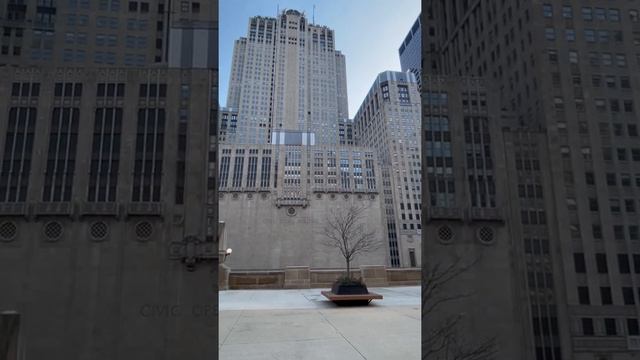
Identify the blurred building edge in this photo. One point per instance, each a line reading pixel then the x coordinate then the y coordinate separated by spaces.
pixel 539 104
pixel 108 203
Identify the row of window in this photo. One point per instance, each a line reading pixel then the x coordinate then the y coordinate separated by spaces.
pixel 591 14
pixel 610 326
pixel 606 296
pixel 624 265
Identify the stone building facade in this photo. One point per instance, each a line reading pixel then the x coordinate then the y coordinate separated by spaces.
pixel 389 122
pixel 287 75
pixel 108 212
pixel 275 201
pixel 568 75
pixel 103 186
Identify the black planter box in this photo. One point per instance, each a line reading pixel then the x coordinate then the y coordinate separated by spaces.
pixel 349 288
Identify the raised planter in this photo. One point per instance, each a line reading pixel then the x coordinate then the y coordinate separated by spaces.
pixel 354 288
pixel 350 292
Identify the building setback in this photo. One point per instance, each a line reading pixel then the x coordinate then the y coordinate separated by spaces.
pixel 108 209
pixel 568 76
pixel 388 121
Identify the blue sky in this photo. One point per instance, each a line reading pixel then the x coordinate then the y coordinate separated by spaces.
pixel 368 32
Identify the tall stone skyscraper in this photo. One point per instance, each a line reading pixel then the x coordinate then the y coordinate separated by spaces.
pixel 287 154
pixel 287 75
pixel 389 121
pixel 109 33
pixel 108 208
pixel 566 74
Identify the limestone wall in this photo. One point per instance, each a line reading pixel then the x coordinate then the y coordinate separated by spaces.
pixel 265 237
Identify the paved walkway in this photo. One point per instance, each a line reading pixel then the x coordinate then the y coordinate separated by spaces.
pixel 303 325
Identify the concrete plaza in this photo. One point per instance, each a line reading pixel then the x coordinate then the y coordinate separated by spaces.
pixel 302 325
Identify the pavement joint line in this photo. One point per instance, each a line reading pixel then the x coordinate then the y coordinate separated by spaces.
pixel 338 331
pixel 232 327
pixel 283 341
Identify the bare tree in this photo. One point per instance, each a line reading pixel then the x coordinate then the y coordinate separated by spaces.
pixel 442 339
pixel 345 230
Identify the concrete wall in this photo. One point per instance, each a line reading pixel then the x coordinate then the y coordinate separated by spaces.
pixel 265 237
pixel 318 278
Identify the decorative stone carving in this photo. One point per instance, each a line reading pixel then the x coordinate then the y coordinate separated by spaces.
pixel 192 250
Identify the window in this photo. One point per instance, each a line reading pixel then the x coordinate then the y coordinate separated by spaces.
pixel 610 326
pixel 583 295
pixel 605 295
pixel 603 36
pixel 632 327
pixel 133 6
pixel 614 15
pixel 580 266
pixel 627 295
pixel 570 34
pixel 550 34
pixel 601 263
pixel 573 57
pixel 596 231
pixel 587 14
pixel 623 264
pixel 567 12
pixel 587 326
pixel 625 83
pixel 195 7
pixel 621 60
pixel 547 10
pixel 590 35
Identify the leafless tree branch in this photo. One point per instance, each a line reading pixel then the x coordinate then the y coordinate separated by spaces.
pixel 345 230
pixel 443 340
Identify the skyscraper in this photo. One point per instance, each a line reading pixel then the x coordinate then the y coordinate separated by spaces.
pixel 411 51
pixel 389 121
pixel 108 118
pixel 286 74
pixel 109 33
pixel 287 154
pixel 567 75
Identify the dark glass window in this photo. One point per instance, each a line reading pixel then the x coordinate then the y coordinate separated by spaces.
pixel 601 263
pixel 580 266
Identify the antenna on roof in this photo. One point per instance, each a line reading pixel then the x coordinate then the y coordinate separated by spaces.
pixel 313 19
pixel 277 10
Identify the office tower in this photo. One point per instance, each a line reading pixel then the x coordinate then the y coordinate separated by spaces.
pixel 287 75
pixel 287 160
pixel 568 75
pixel 109 33
pixel 411 51
pixel 104 185
pixel 389 122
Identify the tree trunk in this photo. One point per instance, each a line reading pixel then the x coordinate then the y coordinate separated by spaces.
pixel 348 269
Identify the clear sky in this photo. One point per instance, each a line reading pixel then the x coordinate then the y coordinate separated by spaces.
pixel 367 32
